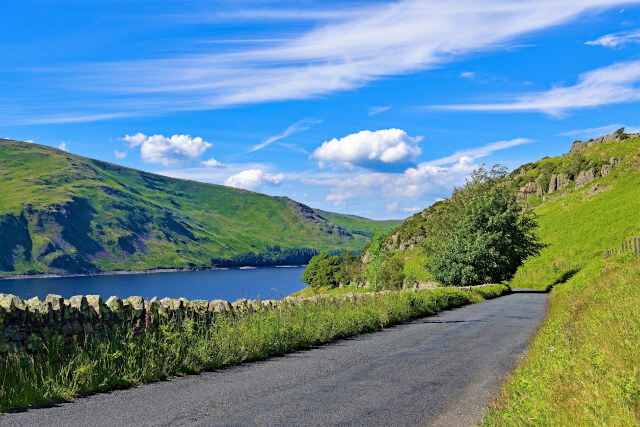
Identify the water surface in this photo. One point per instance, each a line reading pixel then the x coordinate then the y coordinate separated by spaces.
pixel 265 282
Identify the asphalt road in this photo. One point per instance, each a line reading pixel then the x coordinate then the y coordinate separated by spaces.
pixel 439 370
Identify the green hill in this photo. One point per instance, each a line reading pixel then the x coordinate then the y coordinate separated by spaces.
pixel 62 213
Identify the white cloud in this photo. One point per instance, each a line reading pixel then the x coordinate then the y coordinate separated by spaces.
pixel 379 41
pixel 119 154
pixel 252 179
pixel 377 110
pixel 373 150
pixel 617 39
pixel 298 126
pixel 63 146
pixel 168 151
pixel 391 207
pixel 613 84
pixel 212 163
pixel 135 140
pixel 467 74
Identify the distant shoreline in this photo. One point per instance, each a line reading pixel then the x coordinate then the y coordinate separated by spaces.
pixel 151 271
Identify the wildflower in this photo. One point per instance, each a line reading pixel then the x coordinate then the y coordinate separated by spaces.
pixel 147 317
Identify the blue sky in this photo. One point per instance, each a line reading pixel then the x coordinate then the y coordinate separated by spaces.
pixel 371 108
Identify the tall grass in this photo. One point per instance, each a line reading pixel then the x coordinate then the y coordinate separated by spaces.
pixel 124 358
pixel 583 366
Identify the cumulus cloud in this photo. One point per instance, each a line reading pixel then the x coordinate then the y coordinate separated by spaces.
pixel 119 154
pixel 63 146
pixel 168 151
pixel 383 40
pixel 135 140
pixel 391 207
pixel 212 163
pixel 617 40
pixel 253 179
pixel 613 84
pixel 381 149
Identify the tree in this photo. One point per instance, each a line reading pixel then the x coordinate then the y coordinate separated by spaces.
pixel 391 275
pixel 350 268
pixel 311 271
pixel 491 237
pixel 322 270
pixel 375 255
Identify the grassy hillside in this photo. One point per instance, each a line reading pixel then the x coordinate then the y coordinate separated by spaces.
pixel 62 213
pixel 579 224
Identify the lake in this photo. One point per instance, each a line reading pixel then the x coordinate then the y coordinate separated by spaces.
pixel 231 284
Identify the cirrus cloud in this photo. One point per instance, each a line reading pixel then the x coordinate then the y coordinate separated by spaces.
pixel 613 84
pixel 616 40
pixel 382 149
pixel 380 41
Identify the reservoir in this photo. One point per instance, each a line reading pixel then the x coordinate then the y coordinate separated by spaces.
pixel 231 284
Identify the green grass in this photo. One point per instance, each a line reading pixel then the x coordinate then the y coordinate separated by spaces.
pixel 61 372
pixel 583 366
pixel 107 217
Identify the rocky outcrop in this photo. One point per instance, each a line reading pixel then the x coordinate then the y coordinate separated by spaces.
pixel 311 216
pixel 585 177
pixel 558 182
pixel 529 189
pixel 605 170
pixel 614 137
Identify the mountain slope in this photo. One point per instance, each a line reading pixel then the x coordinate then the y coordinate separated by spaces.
pixel 358 225
pixel 62 213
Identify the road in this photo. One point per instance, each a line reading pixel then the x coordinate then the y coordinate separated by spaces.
pixel 439 370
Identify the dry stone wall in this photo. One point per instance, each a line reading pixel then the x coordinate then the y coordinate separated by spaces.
pixel 25 324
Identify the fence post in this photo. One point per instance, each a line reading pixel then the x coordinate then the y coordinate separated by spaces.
pixel 636 246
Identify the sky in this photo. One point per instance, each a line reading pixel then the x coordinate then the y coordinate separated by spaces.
pixel 372 108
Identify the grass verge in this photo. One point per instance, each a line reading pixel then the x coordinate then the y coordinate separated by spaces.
pixel 583 366
pixel 122 359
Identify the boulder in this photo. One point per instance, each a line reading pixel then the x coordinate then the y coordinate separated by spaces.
pixel 585 177
pixel 553 183
pixel 562 180
pixel 529 189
